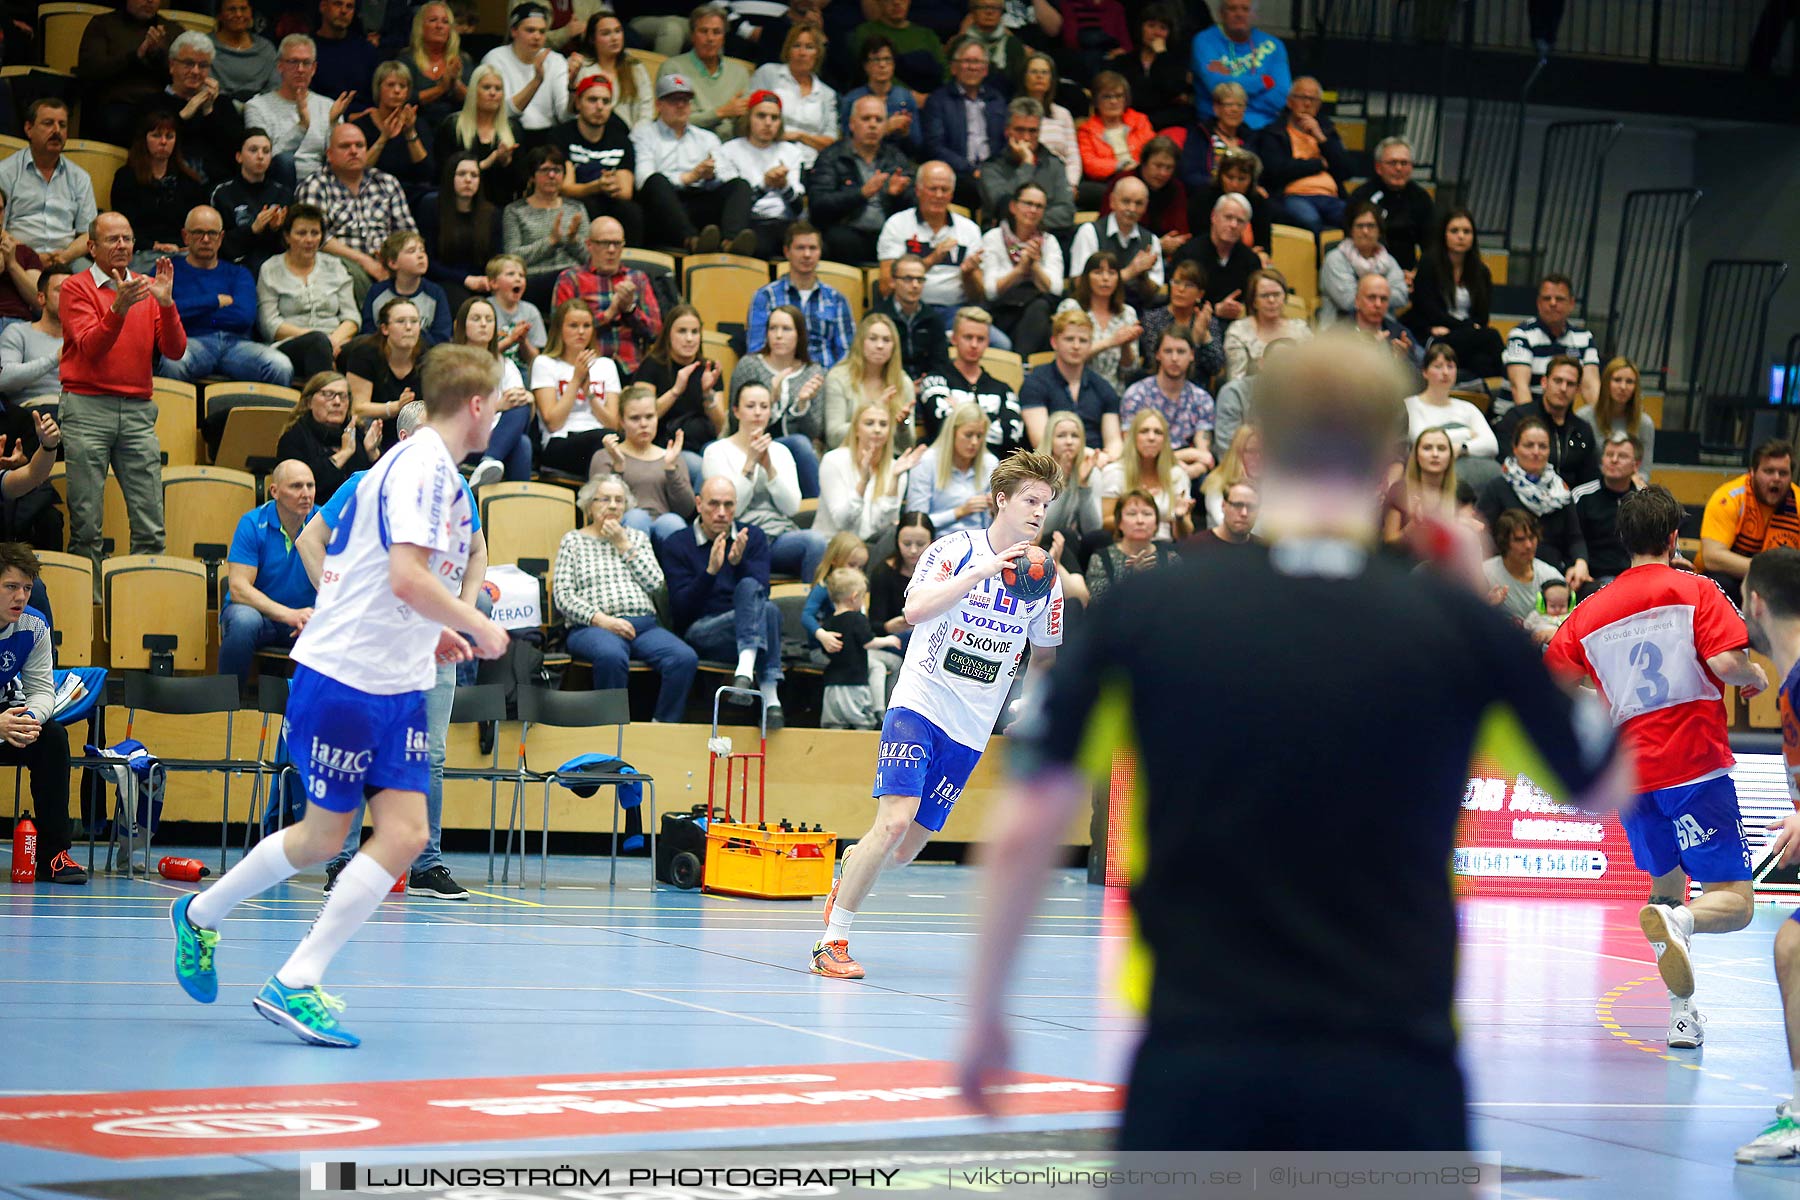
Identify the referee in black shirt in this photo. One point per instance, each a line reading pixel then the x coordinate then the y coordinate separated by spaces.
pixel 1291 857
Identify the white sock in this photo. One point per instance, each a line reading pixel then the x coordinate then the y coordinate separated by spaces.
pixel 747 663
pixel 771 693
pixel 1794 1100
pixel 838 930
pixel 1680 1004
pixel 353 899
pixel 258 871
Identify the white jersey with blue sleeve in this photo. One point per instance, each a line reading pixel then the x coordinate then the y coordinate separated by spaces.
pixel 360 633
pixel 960 665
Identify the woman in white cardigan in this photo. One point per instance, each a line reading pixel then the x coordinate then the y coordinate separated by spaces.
pixel 768 484
pixel 537 93
pixel 861 483
pixel 1357 255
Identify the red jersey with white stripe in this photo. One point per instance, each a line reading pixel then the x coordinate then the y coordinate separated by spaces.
pixel 1645 638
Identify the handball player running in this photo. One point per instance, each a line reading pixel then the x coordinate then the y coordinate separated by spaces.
pixel 356 711
pixel 1659 643
pixel 1314 1012
pixel 968 640
pixel 1772 611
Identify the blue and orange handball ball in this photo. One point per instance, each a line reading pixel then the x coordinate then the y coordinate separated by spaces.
pixel 1029 576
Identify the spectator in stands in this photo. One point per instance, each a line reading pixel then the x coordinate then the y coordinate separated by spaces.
pixel 1450 295
pixel 1157 76
pixel 809 106
pixel 1214 135
pixel 217 303
pixel 577 391
pixel 1372 319
pixel 1024 160
pixel 508 453
pixel 1472 441
pixel 918 52
pixel 543 228
pixel 346 59
pixel 686 200
pixel 435 61
pixel 49 200
pixel 305 303
pixel 1074 513
pixel 1528 480
pixel 870 374
pixel 718 87
pixel 1533 343
pixel 1094 34
pixel 603 46
pixel 243 61
pixel 1517 575
pixel 826 311
pixel 1070 382
pixel 123 63
pixel 31 737
pixel 252 205
pixel 1166 200
pixel 1242 463
pixel 795 380
pixel 1237 51
pixel 772 168
pixel 1426 488
pixel 950 481
pixel 947 242
pixel 1574 448
pixel 1235 405
pixel 719 593
pixel 965 120
pixel 31 351
pixel 1236 173
pixel 383 367
pixel 1247 338
pixel 391 129
pixel 1620 411
pixel 1111 352
pixel 861 481
pixel 210 126
pixel 461 231
pixel 1408 214
pixel 1022 271
pixel 110 331
pixel 156 187
pixel 1134 247
pixel 523 332
pixel 1112 139
pixel 407 264
pixel 761 466
pixel 1597 509
pixel 662 28
pixel 986 25
pixel 20 267
pixel 268 597
pixel 485 128
pixel 1185 407
pixel 1362 253
pixel 621 298
pixel 1188 312
pixel 1148 466
pixel 1228 263
pixel 922 335
pixel 1057 132
pixel 688 403
pixel 857 185
pixel 660 491
pixel 536 77
pixel 855 683
pixel 601 159
pixel 1753 512
pixel 29 513
pixel 1135 549
pixel 1304 161
pixel 1241 507
pixel 891 576
pixel 964 380
pixel 606 578
pixel 299 120
pixel 363 206
pixel 901 126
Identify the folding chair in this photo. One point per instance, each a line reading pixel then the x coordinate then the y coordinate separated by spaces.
pixel 480 705
pixel 194 695
pixel 575 710
pixel 271 701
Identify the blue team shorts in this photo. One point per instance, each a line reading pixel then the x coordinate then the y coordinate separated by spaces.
pixel 1695 826
pixel 349 744
pixel 919 759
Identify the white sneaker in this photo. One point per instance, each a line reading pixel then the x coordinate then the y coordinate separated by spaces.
pixel 1669 930
pixel 488 470
pixel 1687 1029
pixel 1779 1143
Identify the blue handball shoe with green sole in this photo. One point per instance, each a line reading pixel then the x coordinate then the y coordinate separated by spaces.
pixel 194 954
pixel 308 1013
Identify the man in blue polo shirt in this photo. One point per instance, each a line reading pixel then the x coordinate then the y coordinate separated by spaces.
pixel 1068 384
pixel 269 596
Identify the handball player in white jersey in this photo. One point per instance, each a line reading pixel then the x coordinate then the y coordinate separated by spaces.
pixel 387 613
pixel 968 642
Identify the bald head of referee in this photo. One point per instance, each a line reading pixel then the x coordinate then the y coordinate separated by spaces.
pixel 1291 825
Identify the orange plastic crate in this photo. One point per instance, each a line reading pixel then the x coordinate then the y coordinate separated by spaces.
pixel 743 860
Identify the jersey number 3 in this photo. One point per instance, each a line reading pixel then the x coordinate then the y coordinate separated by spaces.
pixel 1652 686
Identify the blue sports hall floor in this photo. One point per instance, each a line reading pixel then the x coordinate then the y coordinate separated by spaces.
pixel 523 1022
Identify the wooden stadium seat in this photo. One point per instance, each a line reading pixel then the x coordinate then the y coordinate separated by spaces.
pixel 1040 358
pixel 197 22
pixel 1087 215
pixel 154 594
pixel 652 62
pixel 1496 261
pixel 9 143
pixel 1328 239
pixel 69 579
pixel 843 277
pixel 525 520
pixel 1652 405
pixel 962 210
pixel 1296 257
pixel 201 507
pixel 721 291
pixel 251 431
pixel 114 523
pixel 633 257
pixel 1355 133
pixel 275 391
pixel 1005 366
pixel 101 161
pixel 60 27
pixel 717 346
pixel 177 422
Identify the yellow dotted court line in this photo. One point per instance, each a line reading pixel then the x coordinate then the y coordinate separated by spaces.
pixel 1603 1012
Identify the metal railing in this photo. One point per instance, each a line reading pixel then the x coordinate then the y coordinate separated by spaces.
pixel 1493 146
pixel 1726 373
pixel 1571 171
pixel 1640 317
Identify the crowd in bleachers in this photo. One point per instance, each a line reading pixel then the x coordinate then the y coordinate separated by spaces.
pixel 775 281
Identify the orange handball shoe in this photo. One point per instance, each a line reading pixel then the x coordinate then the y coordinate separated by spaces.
pixel 832 960
pixel 831 900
